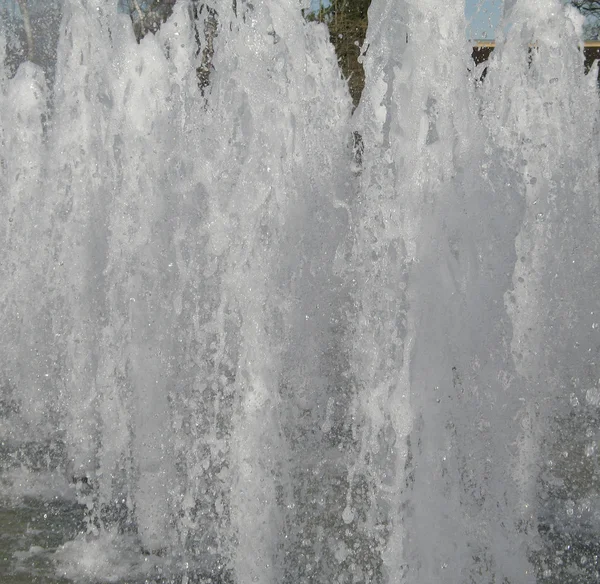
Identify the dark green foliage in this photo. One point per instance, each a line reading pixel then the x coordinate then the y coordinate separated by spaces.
pixel 347 21
pixel 148 15
pixel 590 9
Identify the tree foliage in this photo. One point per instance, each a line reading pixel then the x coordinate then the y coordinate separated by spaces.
pixel 590 9
pixel 147 15
pixel 347 21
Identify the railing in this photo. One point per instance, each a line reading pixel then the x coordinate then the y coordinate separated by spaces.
pixel 482 50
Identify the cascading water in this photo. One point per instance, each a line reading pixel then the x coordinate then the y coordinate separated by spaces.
pixel 240 354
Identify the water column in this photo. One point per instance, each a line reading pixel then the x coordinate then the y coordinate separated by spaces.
pixel 265 96
pixel 116 132
pixel 541 114
pixel 139 336
pixel 26 322
pixel 309 276
pixel 380 343
pixel 206 323
pixel 245 207
pixel 407 127
pixel 81 190
pixel 437 254
pixel 163 378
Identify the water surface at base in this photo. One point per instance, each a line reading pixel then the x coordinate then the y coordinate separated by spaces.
pixel 33 551
pixel 31 532
pixel 45 542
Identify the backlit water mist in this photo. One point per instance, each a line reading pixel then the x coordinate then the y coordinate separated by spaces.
pixel 249 335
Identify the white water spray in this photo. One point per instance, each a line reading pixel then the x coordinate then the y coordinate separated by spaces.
pixel 269 362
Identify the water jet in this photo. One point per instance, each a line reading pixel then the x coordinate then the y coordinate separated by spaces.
pixel 250 334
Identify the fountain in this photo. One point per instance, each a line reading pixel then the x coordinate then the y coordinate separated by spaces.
pixel 234 350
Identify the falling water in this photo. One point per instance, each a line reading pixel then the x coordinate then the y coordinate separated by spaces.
pixel 235 348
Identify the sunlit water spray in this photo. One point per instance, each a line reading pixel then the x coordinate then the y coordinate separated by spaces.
pixel 253 356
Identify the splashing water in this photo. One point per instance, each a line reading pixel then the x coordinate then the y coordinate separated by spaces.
pixel 244 355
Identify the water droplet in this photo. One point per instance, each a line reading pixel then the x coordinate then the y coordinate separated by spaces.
pixel 592 396
pixel 570 507
pixel 348 515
